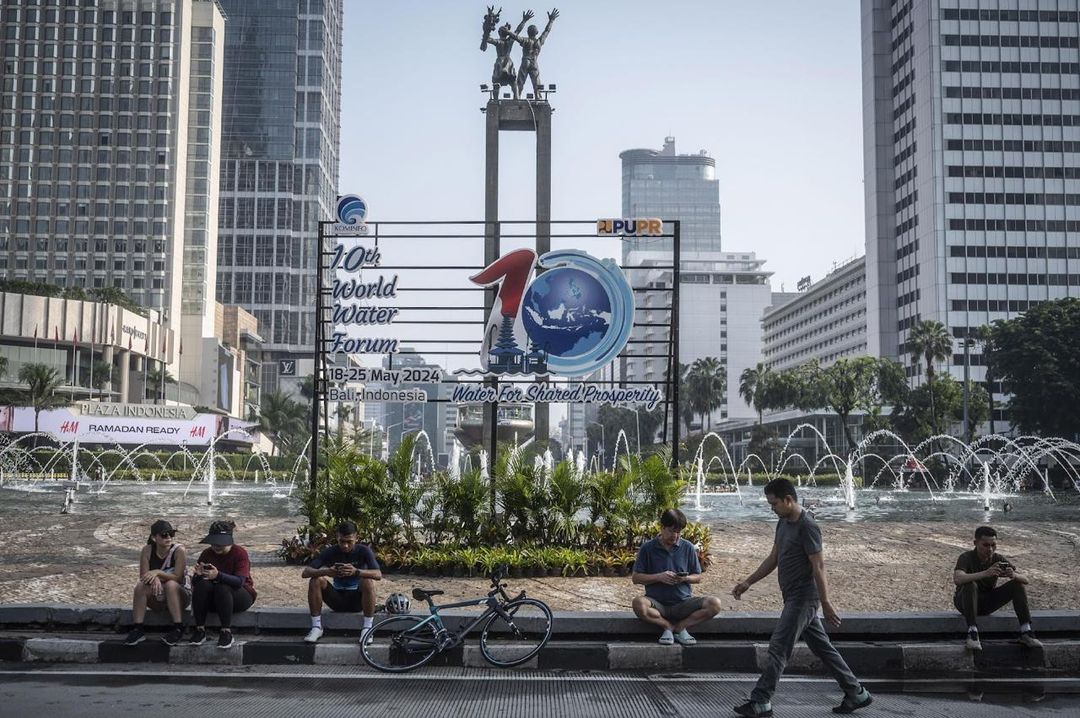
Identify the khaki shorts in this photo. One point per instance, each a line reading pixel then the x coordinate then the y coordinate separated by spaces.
pixel 679 611
pixel 155 605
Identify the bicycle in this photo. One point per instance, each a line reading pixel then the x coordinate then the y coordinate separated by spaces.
pixel 514 630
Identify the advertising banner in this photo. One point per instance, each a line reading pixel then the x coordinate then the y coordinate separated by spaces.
pixel 69 423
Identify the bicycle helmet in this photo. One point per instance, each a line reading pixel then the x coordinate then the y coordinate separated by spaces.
pixel 397 603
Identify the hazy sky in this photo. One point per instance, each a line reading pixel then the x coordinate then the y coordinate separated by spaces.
pixel 771 89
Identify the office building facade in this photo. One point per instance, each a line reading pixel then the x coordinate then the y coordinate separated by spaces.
pixel 972 140
pixel 281 131
pixel 823 323
pixel 108 133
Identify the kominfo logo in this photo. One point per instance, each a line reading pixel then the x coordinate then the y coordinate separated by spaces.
pixel 352 211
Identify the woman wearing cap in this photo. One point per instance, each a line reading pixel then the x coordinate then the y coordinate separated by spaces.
pixel 163 583
pixel 222 583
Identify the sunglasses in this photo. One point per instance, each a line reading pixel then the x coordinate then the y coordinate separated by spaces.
pixel 167 534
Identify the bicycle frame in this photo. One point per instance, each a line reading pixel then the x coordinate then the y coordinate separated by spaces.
pixel 453 639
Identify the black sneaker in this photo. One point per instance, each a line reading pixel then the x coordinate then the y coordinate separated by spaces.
pixel 850 704
pixel 172 637
pixel 754 710
pixel 198 635
pixel 135 637
pixel 225 639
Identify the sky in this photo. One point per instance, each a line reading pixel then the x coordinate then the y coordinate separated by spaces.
pixel 772 90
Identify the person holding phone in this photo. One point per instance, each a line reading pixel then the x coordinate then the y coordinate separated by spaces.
pixel 221 583
pixel 977 594
pixel 342 576
pixel 668 566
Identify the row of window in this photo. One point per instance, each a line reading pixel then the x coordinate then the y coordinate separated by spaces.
pixel 1014 118
pixel 84 227
pixel 1037 172
pixel 1014 252
pixel 1010 15
pixel 1017 198
pixel 909 273
pixel 62 245
pixel 906 177
pixel 905 299
pixel 1024 279
pixel 1014 145
pixel 907 224
pixel 1037 68
pixel 992 305
pixel 1015 225
pixel 905 249
pixel 89 16
pixel 907 201
pixel 1046 41
pixel 1013 93
pixel 904 154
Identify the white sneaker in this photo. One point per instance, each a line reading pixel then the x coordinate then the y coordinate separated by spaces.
pixel 685 638
pixel 313 635
pixel 363 633
pixel 666 639
pixel 973 643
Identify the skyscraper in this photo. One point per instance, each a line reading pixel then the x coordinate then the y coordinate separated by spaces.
pixel 282 112
pixel 672 186
pixel 108 130
pixel 972 140
pixel 722 294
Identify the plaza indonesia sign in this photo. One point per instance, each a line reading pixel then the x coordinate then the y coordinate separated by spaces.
pixel 124 424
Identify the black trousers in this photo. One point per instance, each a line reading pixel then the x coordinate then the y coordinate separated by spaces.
pixel 972 602
pixel 222 599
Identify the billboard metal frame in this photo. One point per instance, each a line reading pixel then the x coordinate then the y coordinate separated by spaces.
pixel 404 230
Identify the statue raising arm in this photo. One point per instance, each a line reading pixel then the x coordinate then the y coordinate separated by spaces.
pixel 491 20
pixel 551 19
pixel 525 17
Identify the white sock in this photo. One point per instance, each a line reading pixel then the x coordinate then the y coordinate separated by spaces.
pixel 316 621
pixel 973 630
pixel 368 620
pixel 1025 627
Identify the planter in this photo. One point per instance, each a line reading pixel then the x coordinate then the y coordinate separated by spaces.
pixel 554 571
pixel 537 572
pixel 459 570
pixel 516 572
pixel 607 571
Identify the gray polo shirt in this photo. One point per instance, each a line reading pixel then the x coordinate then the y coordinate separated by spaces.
pixel 654 557
pixel 796 541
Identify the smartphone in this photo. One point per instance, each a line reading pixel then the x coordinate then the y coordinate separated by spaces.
pixel 683 574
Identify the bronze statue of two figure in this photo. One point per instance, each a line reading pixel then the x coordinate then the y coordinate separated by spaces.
pixel 503 72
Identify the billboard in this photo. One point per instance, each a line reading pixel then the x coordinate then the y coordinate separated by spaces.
pixel 125 427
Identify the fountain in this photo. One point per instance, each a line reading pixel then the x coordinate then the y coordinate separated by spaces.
pixel 986 486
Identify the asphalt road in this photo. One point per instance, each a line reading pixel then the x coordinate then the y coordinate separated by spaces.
pixel 271 691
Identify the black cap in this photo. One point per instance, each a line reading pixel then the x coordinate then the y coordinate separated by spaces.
pixel 220 534
pixel 161 526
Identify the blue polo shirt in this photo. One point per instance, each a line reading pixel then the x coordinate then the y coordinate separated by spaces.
pixel 654 557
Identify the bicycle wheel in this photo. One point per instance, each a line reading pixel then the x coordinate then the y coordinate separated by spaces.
pixel 511 643
pixel 399 643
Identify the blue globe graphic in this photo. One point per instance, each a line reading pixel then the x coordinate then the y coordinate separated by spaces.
pixel 566 312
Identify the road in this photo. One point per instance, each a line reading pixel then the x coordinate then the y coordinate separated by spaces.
pixel 286 691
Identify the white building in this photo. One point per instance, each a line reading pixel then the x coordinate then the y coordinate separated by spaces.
pixel 824 322
pixel 972 141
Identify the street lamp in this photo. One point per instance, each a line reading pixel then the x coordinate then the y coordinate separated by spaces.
pixel 637 424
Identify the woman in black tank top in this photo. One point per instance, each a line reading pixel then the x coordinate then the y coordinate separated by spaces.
pixel 162 585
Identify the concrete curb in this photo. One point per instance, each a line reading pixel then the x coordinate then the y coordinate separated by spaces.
pixel 570 625
pixel 868 659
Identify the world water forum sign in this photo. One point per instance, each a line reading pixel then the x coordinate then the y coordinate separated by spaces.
pixel 568 322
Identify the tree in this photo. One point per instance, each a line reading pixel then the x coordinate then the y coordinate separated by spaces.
pixel 1037 356
pixel 343 411
pixel 154 380
pixel 283 419
pixel 931 341
pixel 42 385
pixel 754 387
pixel 707 382
pixel 102 374
pixel 919 418
pixel 3 367
pixel 615 418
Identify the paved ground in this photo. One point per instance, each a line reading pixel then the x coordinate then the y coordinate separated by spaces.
pixel 288 692
pixel 873 566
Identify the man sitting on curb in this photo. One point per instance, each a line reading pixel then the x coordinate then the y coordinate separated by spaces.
pixel 343 577
pixel 667 565
pixel 977 592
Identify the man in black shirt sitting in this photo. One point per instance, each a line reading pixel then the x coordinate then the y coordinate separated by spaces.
pixel 977 593
pixel 343 577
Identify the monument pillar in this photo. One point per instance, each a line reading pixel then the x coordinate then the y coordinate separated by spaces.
pixel 522 116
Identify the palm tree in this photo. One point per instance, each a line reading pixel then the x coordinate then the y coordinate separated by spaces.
pixel 707 381
pixel 43 383
pixel 102 374
pixel 3 367
pixel 343 411
pixel 754 386
pixel 154 379
pixel 281 418
pixel 930 340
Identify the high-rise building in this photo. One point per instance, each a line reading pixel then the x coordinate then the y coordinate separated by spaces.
pixel 672 186
pixel 722 294
pixel 108 137
pixel 972 140
pixel 280 144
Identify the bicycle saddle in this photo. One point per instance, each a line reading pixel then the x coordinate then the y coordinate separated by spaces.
pixel 421 595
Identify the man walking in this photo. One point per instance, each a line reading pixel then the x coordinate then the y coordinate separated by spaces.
pixel 977 593
pixel 797 552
